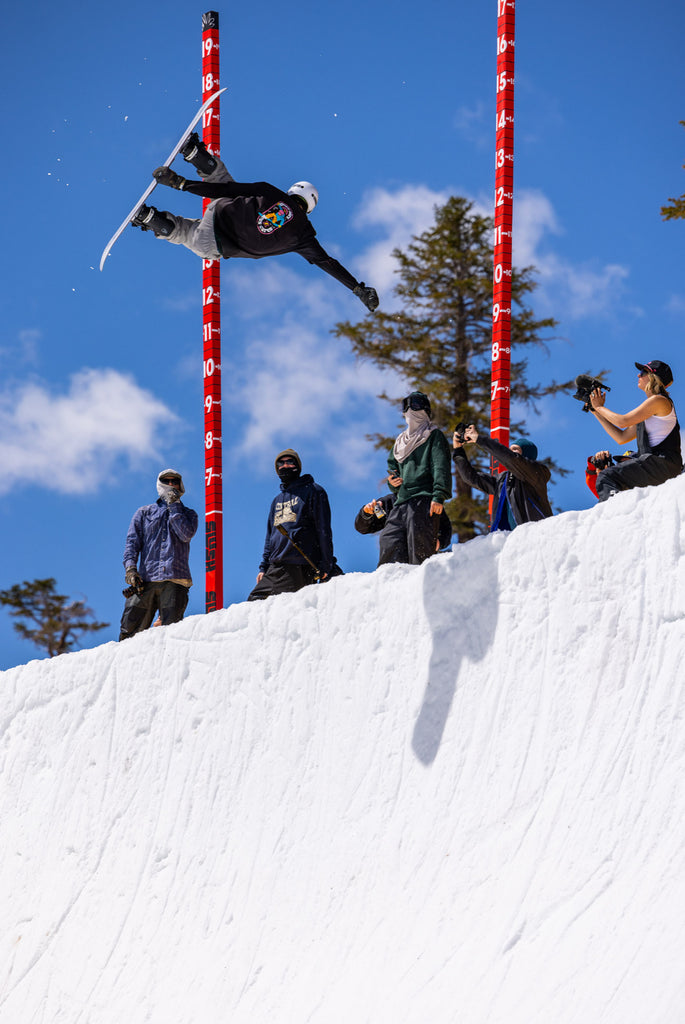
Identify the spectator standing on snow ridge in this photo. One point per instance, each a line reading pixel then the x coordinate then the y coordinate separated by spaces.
pixel 420 477
pixel 520 490
pixel 305 553
pixel 653 424
pixel 156 558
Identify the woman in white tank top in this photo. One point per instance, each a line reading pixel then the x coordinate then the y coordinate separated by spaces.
pixel 653 423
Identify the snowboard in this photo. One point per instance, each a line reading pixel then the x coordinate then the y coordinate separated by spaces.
pixel 167 163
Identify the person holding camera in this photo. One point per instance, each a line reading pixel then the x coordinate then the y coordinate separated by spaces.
pixel 653 424
pixel 420 479
pixel 599 461
pixel 156 555
pixel 519 490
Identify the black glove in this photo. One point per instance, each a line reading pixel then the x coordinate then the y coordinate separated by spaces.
pixel 133 578
pixel 171 496
pixel 369 296
pixel 165 176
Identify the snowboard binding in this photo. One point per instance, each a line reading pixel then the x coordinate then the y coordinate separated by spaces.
pixel 196 153
pixel 148 218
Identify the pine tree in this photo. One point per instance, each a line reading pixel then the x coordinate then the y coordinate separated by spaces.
pixel 57 623
pixel 675 210
pixel 441 342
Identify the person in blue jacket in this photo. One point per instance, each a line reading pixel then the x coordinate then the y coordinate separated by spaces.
pixel 156 553
pixel 305 553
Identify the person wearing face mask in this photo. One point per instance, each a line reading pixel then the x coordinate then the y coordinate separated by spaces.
pixel 156 555
pixel 420 477
pixel 298 548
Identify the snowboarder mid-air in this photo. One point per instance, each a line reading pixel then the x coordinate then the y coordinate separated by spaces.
pixel 244 220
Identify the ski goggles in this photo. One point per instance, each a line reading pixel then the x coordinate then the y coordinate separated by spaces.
pixel 416 401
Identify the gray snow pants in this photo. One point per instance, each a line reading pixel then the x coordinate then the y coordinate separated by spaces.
pixel 198 235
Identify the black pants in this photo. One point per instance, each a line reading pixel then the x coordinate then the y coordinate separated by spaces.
pixel 410 533
pixel 285 578
pixel 167 598
pixel 643 471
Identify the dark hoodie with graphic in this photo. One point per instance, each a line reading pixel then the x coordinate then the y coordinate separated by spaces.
pixel 302 508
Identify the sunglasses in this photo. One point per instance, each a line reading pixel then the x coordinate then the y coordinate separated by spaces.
pixel 173 481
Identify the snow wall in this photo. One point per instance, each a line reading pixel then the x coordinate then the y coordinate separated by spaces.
pixel 443 794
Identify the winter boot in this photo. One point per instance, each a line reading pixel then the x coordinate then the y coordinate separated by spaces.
pixel 150 219
pixel 195 153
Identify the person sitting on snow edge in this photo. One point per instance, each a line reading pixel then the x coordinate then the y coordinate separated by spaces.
pixel 244 220
pixel 653 424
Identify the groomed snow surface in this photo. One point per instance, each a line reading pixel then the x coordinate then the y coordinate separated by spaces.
pixel 450 794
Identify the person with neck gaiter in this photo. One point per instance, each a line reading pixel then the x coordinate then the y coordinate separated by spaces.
pixel 420 477
pixel 156 558
pixel 303 553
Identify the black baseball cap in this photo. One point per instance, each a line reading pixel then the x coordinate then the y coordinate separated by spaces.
pixel 659 369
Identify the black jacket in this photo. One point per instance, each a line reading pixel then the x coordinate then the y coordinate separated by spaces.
pixel 525 482
pixel 302 509
pixel 255 219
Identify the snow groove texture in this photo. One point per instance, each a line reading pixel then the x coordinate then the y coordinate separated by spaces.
pixel 450 793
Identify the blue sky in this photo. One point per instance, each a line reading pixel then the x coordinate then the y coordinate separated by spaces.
pixel 389 109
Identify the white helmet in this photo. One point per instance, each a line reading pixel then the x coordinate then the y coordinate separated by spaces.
pixel 307 191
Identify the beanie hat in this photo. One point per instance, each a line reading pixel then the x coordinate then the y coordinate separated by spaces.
pixel 293 455
pixel 528 449
pixel 161 488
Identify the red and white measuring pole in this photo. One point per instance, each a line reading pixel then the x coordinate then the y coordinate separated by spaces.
pixel 211 336
pixel 504 208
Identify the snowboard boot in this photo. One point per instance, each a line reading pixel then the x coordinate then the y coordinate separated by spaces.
pixel 150 219
pixel 195 152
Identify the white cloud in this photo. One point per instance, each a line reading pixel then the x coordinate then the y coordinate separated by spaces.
pixel 68 443
pixel 676 305
pixel 24 349
pixel 295 379
pixel 474 123
pixel 569 290
pixel 400 215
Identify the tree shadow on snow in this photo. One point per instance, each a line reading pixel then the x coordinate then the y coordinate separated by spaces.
pixel 460 593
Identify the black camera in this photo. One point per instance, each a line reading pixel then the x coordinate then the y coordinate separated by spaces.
pixel 459 431
pixel 585 386
pixel 601 461
pixel 130 591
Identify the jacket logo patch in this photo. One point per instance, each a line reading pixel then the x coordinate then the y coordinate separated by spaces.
pixel 286 512
pixel 274 218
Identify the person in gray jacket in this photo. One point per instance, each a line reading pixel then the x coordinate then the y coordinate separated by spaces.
pixel 156 554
